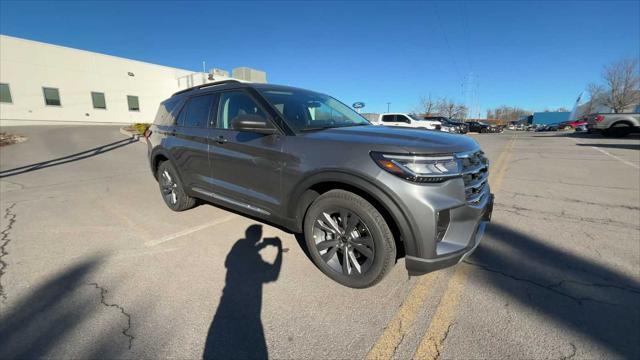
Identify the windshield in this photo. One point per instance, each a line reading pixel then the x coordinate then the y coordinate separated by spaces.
pixel 306 110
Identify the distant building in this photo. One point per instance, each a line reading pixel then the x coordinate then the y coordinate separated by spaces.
pixel 49 84
pixel 550 117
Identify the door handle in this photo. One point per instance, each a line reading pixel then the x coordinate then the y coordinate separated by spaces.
pixel 221 139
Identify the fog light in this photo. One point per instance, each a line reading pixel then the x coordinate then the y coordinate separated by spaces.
pixel 442 224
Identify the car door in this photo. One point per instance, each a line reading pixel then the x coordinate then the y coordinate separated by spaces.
pixel 245 166
pixel 404 120
pixel 190 148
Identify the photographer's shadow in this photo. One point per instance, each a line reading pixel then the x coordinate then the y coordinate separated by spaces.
pixel 236 330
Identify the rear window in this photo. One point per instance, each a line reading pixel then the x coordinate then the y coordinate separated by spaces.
pixel 166 112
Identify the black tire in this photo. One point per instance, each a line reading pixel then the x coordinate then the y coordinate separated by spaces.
pixel 483 131
pixel 379 249
pixel 617 130
pixel 171 188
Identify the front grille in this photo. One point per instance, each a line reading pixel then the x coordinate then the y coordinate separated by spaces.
pixel 475 174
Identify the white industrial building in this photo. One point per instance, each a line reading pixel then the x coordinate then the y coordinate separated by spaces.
pixel 48 84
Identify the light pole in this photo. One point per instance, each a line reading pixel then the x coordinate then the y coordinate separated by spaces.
pixel 388 106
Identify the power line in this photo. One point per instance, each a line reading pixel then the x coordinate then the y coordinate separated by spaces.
pixel 446 40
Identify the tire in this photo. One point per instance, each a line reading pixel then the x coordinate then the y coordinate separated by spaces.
pixel 482 131
pixel 617 130
pixel 370 243
pixel 171 188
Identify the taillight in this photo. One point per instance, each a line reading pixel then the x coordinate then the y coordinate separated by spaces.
pixel 599 118
pixel 147 133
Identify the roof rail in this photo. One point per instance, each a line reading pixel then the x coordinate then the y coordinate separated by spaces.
pixel 221 82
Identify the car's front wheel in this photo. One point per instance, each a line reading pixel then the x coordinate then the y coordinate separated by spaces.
pixel 348 239
pixel 171 188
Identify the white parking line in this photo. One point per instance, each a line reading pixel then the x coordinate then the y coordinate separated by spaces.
pixel 190 231
pixel 617 158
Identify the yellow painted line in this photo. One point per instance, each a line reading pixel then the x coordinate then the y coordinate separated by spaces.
pixel 401 323
pixel 431 345
pixel 403 319
pixel 432 342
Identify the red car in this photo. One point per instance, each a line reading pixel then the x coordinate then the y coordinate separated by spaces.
pixel 572 124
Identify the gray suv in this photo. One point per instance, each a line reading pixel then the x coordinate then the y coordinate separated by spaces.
pixel 362 195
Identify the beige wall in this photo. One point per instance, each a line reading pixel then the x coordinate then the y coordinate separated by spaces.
pixel 27 66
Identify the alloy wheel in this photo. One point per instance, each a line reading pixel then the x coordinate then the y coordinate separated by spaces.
pixel 168 187
pixel 343 241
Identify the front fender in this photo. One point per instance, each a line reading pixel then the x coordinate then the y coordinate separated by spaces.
pixel 298 203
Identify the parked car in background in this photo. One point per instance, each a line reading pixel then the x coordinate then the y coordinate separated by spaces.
pixel 477 126
pixel 407 120
pixel 464 128
pixel 614 125
pixel 582 128
pixel 446 125
pixel 309 163
pixel 572 124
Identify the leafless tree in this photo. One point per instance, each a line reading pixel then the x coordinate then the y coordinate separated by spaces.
pixel 595 93
pixel 427 105
pixel 451 109
pixel 507 113
pixel 622 81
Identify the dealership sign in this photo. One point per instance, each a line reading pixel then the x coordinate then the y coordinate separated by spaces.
pixel 358 105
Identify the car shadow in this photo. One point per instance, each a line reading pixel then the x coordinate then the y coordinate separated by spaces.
pixel 236 330
pixel 67 159
pixel 575 292
pixel 40 321
pixel 614 146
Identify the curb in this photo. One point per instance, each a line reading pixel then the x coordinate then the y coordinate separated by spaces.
pixel 137 137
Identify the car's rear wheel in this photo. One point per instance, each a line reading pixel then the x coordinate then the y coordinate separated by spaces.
pixel 617 130
pixel 348 239
pixel 171 188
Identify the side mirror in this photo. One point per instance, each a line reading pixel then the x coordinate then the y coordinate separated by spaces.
pixel 252 123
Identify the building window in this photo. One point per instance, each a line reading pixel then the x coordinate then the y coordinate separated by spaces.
pixel 134 104
pixel 98 100
pixel 5 93
pixel 51 96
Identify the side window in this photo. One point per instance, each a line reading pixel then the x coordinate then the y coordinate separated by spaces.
pixel 233 104
pixel 51 96
pixel 403 118
pixel 165 111
pixel 133 103
pixel 98 100
pixel 5 94
pixel 196 112
pixel 388 118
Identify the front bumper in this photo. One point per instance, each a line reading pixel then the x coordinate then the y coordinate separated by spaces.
pixel 420 266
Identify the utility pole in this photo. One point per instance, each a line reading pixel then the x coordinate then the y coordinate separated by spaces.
pixel 388 106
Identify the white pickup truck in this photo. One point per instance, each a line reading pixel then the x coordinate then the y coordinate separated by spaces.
pixel 614 125
pixel 406 120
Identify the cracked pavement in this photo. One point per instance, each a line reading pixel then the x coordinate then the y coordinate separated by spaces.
pixel 92 264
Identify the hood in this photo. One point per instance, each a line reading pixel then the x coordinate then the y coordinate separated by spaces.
pixel 386 138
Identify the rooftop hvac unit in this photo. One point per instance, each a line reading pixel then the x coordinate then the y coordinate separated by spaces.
pixel 219 72
pixel 249 74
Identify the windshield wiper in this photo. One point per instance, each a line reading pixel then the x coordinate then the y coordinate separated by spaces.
pixel 316 128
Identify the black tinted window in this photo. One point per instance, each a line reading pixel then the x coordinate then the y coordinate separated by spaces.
pixel 197 111
pixel 166 112
pixel 233 104
pixel 388 118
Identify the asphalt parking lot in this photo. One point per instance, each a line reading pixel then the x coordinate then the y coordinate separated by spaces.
pixel 93 264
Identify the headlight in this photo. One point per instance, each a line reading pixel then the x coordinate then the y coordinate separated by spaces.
pixel 424 169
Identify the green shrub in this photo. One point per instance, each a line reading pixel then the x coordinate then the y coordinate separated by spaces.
pixel 141 128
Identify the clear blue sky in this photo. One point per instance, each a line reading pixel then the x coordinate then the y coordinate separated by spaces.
pixel 529 54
